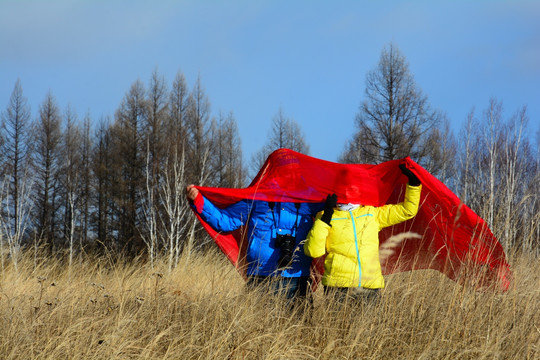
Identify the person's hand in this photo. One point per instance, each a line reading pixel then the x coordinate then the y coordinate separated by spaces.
pixel 413 179
pixel 195 197
pixel 191 192
pixel 329 205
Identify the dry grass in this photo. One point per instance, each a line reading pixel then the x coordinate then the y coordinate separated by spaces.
pixel 96 310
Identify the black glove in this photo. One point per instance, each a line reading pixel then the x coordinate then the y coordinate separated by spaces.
pixel 329 205
pixel 413 179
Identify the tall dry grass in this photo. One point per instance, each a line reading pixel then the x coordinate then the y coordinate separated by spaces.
pixel 99 310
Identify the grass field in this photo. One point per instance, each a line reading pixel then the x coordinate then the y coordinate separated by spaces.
pixel 99 310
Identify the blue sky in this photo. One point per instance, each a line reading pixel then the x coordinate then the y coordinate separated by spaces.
pixel 308 57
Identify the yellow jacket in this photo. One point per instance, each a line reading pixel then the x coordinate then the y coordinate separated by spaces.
pixel 349 243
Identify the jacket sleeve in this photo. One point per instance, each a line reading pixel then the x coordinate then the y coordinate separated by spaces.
pixel 228 219
pixel 393 214
pixel 315 245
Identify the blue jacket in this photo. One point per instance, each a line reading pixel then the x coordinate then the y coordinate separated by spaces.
pixel 263 226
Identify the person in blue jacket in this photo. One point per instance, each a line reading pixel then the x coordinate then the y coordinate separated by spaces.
pixel 274 231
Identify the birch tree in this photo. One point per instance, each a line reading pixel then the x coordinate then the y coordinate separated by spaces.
pixel 498 173
pixel 17 178
pixel 491 140
pixel 174 220
pixel 70 179
pixel 155 135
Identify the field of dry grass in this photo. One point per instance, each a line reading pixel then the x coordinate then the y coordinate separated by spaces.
pixel 99 310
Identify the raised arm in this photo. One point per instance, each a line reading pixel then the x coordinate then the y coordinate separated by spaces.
pixel 389 215
pixel 228 219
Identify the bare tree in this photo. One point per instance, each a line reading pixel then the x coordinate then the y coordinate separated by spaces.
pixel 86 155
pixel 176 171
pixel 444 149
pixel 491 140
pixel 498 174
pixel 466 158
pixel 198 126
pixel 227 158
pixel 149 214
pixel 156 120
pixel 285 133
pixel 178 104
pixel 514 165
pixel 198 145
pixel 395 119
pixel 102 169
pixel 174 221
pixel 47 162
pixel 70 178
pixel 17 179
pixel 155 134
pixel 129 150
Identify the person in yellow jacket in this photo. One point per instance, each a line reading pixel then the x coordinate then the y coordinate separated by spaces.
pixel 349 236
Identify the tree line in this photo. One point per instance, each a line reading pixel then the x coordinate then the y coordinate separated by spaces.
pixel 117 185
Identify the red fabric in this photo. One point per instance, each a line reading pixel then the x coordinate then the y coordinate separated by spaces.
pixel 199 202
pixel 455 241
